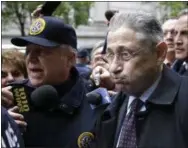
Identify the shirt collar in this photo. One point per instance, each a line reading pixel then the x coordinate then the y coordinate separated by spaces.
pixel 186 65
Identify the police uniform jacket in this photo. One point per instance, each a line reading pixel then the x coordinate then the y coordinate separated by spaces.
pixel 67 127
pixel 84 70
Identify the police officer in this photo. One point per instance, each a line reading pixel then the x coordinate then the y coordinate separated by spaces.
pixel 82 64
pixel 50 60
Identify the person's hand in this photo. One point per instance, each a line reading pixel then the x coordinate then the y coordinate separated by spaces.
pixel 112 93
pixel 37 12
pixel 7 97
pixel 103 76
pixel 18 118
pixel 99 60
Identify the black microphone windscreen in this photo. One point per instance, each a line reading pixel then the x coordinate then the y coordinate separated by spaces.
pixel 45 97
pixel 49 7
pixel 109 14
pixel 94 98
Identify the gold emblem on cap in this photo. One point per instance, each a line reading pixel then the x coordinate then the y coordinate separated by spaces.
pixel 85 139
pixel 37 26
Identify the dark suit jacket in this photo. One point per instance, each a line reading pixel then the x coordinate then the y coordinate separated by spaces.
pixel 176 67
pixel 163 125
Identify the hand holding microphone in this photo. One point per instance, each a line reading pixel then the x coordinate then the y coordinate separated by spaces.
pixel 102 78
pixel 45 9
pixel 37 12
pixel 43 98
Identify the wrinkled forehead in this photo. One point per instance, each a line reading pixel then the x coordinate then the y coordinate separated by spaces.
pixel 170 24
pixel 125 37
pixel 182 22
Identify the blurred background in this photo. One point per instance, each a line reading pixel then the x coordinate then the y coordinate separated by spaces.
pixel 87 17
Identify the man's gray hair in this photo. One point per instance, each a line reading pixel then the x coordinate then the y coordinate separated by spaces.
pixel 146 26
pixel 96 46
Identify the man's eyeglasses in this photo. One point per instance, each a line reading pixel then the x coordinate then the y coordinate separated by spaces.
pixel 123 56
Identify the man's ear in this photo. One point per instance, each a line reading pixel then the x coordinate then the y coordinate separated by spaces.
pixel 161 50
pixel 72 58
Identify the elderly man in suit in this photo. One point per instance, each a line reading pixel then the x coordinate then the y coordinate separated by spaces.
pixel 151 111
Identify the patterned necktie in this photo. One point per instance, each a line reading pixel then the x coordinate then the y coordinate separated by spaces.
pixel 128 131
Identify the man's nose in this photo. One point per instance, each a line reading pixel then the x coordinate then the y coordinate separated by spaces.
pixel 115 66
pixel 169 36
pixel 178 40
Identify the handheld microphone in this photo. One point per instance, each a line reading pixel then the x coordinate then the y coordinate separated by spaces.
pixel 28 100
pixel 94 98
pixel 49 7
pixel 33 102
pixel 45 97
pixel 98 97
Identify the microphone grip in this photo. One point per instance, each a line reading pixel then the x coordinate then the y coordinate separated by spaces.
pixel 21 99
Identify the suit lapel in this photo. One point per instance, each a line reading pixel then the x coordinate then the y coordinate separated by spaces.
pixel 161 99
pixel 176 65
pixel 121 117
pixel 109 122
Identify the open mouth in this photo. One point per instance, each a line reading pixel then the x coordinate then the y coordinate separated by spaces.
pixel 36 70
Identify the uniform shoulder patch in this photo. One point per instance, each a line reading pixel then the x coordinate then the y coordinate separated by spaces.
pixel 85 139
pixel 37 26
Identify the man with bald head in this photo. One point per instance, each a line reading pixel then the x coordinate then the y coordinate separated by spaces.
pixel 168 33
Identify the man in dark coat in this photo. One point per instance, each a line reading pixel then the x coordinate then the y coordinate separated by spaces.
pixel 150 112
pixel 50 60
pixel 181 44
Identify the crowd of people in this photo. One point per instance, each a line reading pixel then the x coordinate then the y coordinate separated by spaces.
pixel 130 91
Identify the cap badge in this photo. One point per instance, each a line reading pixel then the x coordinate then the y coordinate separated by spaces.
pixel 37 26
pixel 85 139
